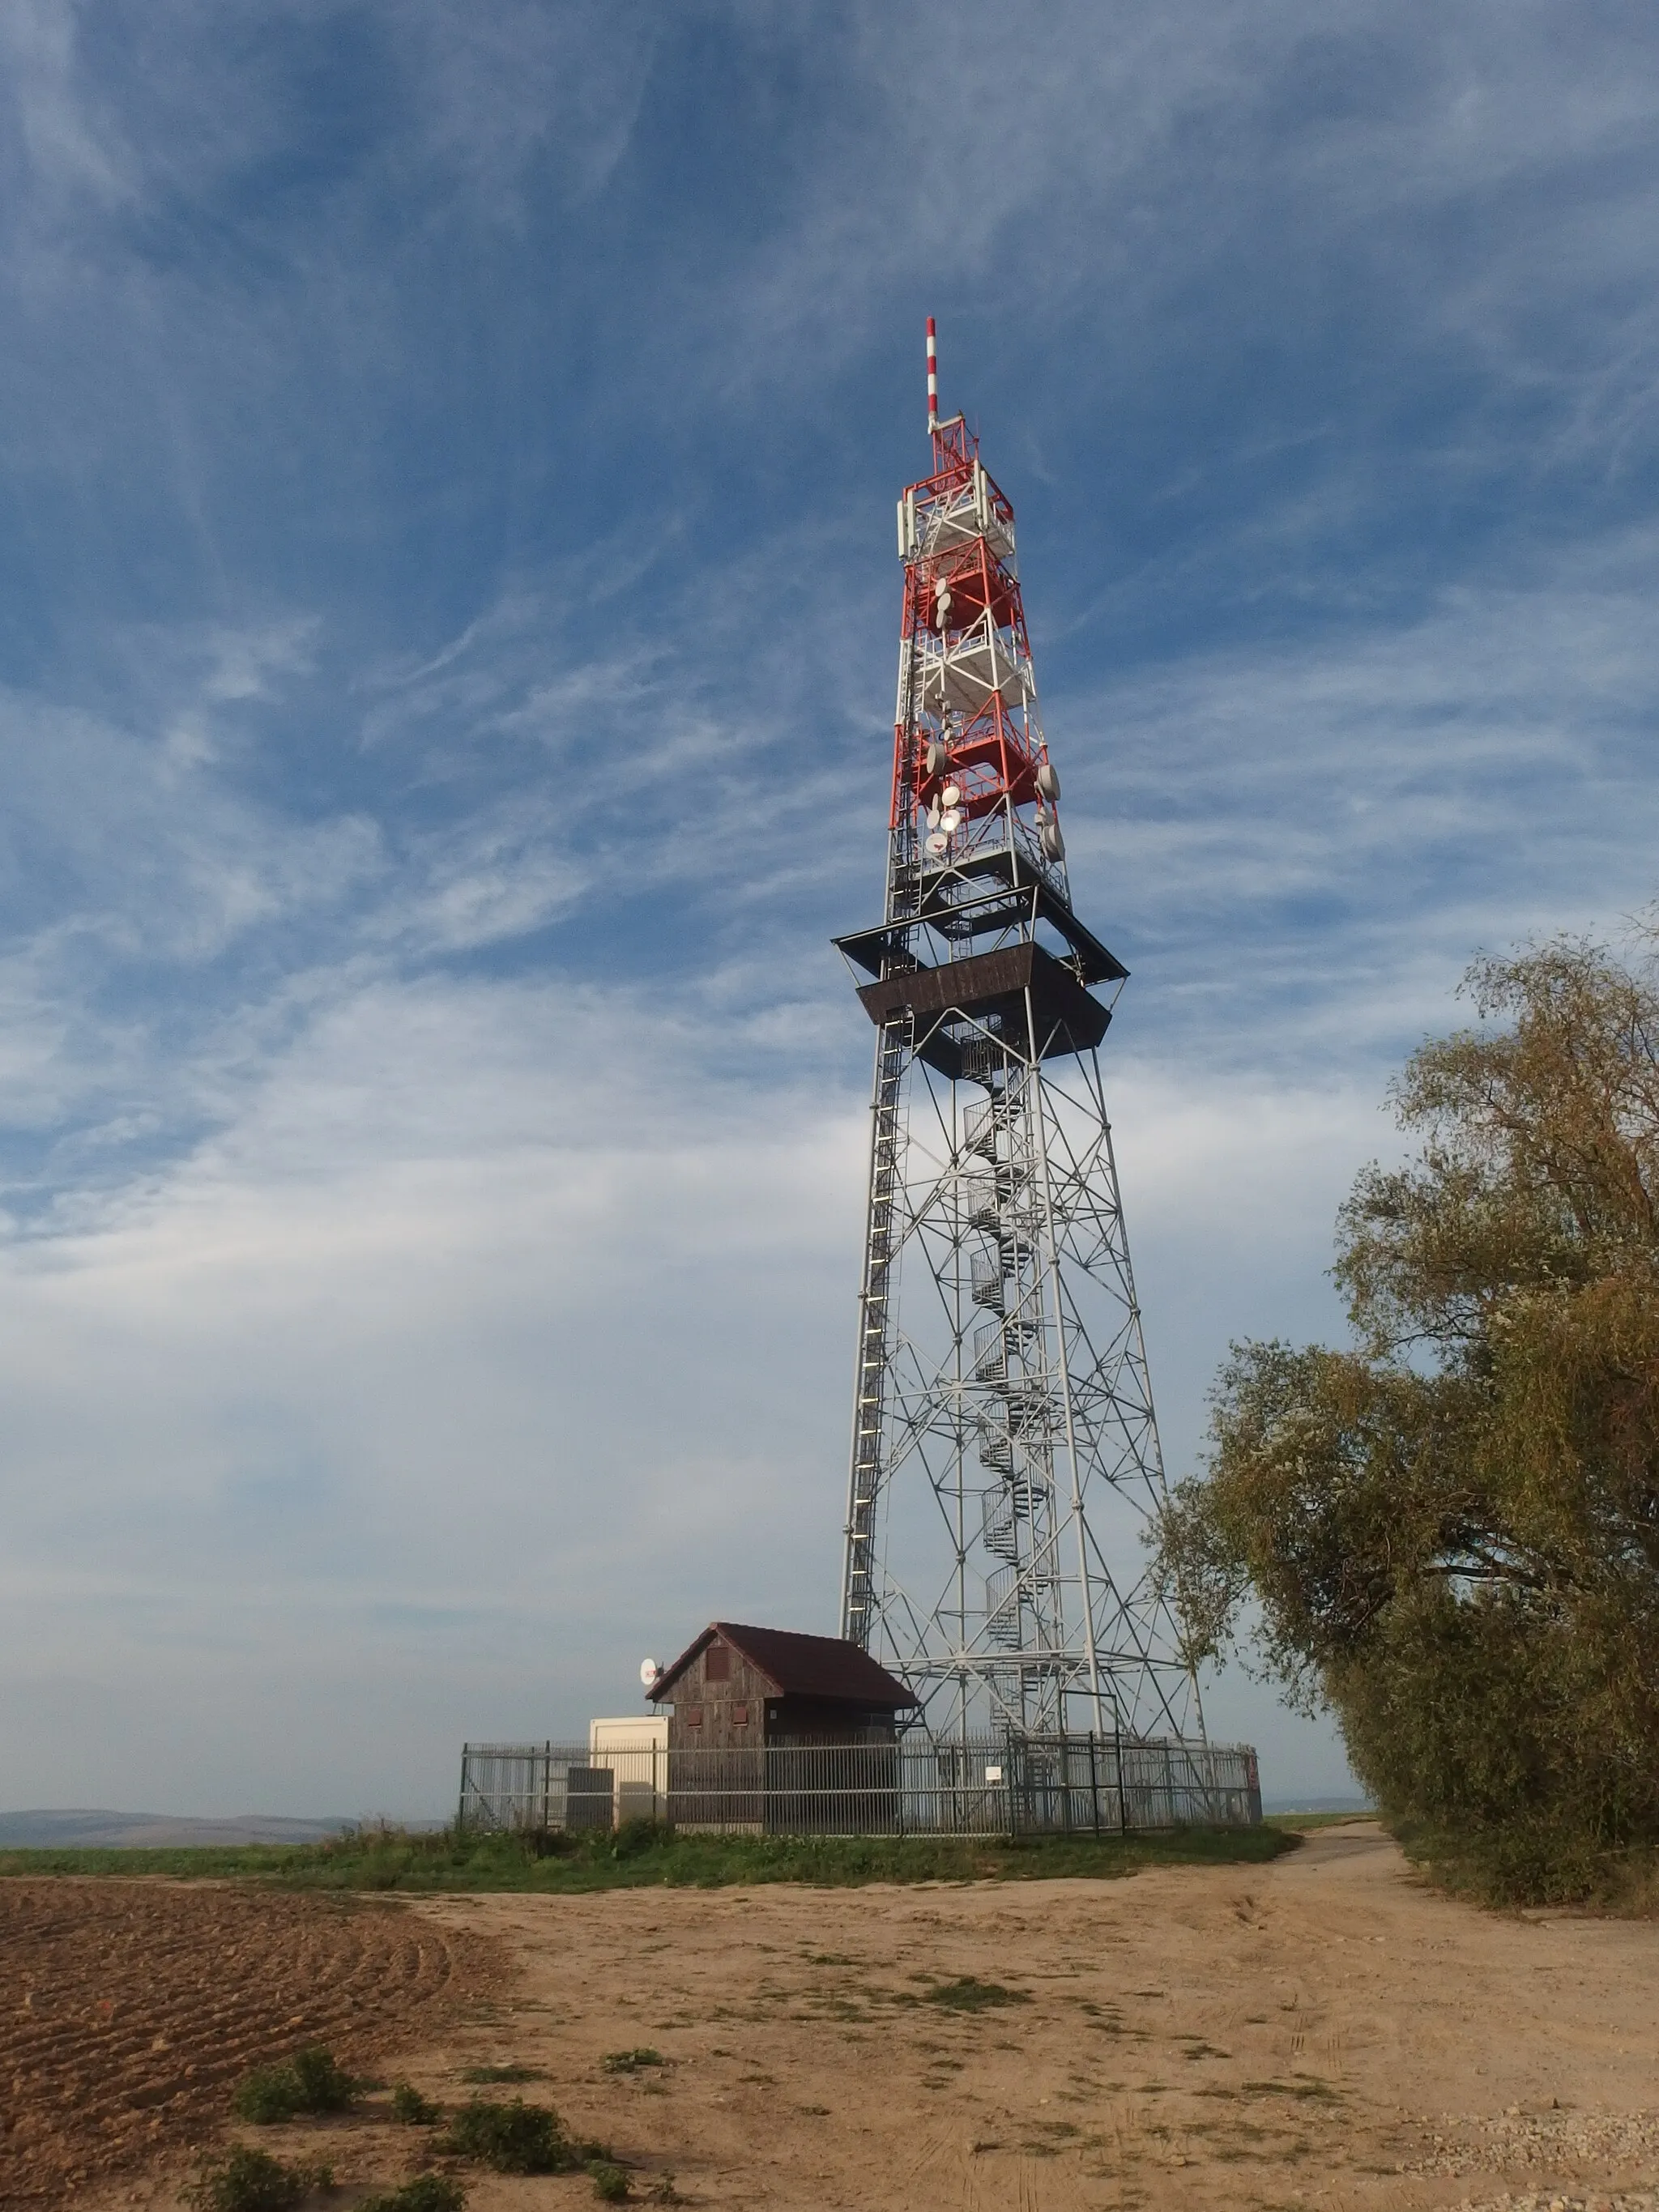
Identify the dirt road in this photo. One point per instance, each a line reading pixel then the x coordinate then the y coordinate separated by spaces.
pixel 1320 2031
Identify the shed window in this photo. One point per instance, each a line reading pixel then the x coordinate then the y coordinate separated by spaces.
pixel 717 1667
pixel 694 1717
pixel 739 1716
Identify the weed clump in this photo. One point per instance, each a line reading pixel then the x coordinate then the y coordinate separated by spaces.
pixel 245 2180
pixel 427 2192
pixel 965 1994
pixel 609 2182
pixel 630 2061
pixel 313 2081
pixel 411 2109
pixel 515 2138
pixel 503 2074
pixel 1303 2086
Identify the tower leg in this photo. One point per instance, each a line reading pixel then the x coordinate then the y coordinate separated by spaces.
pixel 893 1051
pixel 1005 1454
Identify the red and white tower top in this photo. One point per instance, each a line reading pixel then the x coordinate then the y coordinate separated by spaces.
pixel 970 764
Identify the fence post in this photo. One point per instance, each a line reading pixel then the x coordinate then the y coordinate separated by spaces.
pixel 1094 1786
pixel 460 1809
pixel 547 1784
pixel 1122 1794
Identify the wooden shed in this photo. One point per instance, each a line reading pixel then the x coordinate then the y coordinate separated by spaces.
pixel 738 1688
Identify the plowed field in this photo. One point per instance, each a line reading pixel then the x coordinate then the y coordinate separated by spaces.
pixel 128 2007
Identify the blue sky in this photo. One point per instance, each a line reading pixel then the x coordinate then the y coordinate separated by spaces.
pixel 447 606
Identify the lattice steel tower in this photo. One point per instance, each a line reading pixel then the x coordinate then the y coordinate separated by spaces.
pixel 1005 1449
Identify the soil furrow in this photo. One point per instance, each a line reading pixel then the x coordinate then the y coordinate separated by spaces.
pixel 128 2007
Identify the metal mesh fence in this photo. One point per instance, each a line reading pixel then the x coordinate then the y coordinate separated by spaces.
pixel 985 1785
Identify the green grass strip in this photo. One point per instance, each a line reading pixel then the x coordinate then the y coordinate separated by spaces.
pixel 640 1856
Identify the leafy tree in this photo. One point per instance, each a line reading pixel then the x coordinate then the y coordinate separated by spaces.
pixel 1451 1533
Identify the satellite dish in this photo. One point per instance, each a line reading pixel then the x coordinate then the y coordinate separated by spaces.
pixel 950 822
pixel 938 843
pixel 951 795
pixel 649 1671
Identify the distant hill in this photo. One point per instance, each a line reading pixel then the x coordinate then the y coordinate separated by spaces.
pixel 1308 1805
pixel 88 1829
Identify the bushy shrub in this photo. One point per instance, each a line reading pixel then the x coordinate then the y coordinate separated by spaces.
pixel 427 2192
pixel 609 2181
pixel 313 2081
pixel 245 2179
pixel 514 2138
pixel 411 2109
pixel 324 2085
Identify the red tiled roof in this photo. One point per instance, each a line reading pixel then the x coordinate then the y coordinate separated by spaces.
pixel 799 1666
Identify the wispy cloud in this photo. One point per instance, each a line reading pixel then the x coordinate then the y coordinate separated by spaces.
pixel 501 1307
pixel 1351 817
pixel 448 605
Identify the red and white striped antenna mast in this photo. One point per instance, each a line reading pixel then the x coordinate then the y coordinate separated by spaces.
pixel 1003 1441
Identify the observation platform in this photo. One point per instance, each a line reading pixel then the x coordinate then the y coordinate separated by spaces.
pixel 991 992
pixel 1033 1000
pixel 982 895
